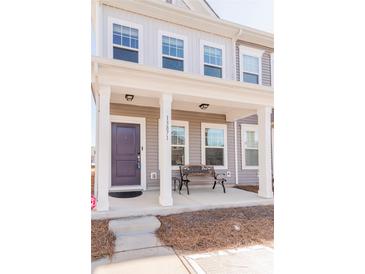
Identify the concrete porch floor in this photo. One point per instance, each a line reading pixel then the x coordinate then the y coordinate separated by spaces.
pixel 199 199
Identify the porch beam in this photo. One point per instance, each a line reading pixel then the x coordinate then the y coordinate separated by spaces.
pixel 103 148
pixel 165 150
pixel 265 176
pixel 235 115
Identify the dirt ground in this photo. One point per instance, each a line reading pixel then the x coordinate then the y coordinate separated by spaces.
pixel 252 188
pixel 102 240
pixel 210 230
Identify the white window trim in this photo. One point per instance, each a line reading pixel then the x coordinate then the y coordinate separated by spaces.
pixel 272 68
pixel 159 48
pixel 111 21
pixel 243 50
pixel 245 127
pixel 187 144
pixel 214 45
pixel 225 151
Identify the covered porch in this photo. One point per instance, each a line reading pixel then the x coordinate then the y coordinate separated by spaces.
pixel 173 93
pixel 199 199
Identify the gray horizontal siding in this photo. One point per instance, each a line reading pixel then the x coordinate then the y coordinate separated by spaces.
pixel 265 64
pixel 195 119
pixel 248 176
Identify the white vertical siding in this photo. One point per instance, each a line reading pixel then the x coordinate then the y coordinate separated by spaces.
pixel 151 28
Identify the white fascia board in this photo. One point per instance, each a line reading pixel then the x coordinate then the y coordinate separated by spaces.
pixel 167 12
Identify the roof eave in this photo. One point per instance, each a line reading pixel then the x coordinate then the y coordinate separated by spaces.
pixel 191 19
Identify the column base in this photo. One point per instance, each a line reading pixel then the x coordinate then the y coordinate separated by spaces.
pixel 165 201
pixel 265 194
pixel 102 207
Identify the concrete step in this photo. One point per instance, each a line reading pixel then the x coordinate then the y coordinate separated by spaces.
pixel 146 224
pixel 130 241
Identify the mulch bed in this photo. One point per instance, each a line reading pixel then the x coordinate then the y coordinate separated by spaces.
pixel 252 188
pixel 210 230
pixel 102 240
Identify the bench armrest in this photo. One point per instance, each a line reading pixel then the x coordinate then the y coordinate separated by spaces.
pixel 219 175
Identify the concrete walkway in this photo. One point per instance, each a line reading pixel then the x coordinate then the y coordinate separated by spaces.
pixel 163 260
pixel 199 199
pixel 250 260
pixel 155 260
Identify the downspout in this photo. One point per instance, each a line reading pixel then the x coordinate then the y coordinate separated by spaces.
pixel 234 40
pixel 235 151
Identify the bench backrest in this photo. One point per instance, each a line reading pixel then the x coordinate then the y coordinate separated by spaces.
pixel 197 170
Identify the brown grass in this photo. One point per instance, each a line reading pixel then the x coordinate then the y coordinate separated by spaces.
pixel 102 240
pixel 218 229
pixel 252 188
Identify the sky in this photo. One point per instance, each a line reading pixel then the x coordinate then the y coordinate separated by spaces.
pixel 253 13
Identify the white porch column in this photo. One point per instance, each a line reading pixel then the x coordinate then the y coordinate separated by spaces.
pixel 103 149
pixel 165 150
pixel 265 178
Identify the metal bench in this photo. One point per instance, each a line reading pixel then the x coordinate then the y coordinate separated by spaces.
pixel 200 170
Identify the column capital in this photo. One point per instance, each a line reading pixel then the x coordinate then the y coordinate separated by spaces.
pixel 167 98
pixel 105 90
pixel 264 109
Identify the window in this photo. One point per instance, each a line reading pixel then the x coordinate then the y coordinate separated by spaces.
pixel 250 149
pixel 172 53
pixel 125 41
pixel 179 143
pixel 250 65
pixel 212 61
pixel 214 145
pixel 251 69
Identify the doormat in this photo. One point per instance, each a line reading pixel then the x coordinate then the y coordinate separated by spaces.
pixel 129 194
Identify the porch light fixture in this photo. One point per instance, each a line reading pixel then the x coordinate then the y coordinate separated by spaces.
pixel 203 106
pixel 129 97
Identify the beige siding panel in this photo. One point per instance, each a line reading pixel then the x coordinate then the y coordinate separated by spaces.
pixel 266 62
pixel 195 119
pixel 151 27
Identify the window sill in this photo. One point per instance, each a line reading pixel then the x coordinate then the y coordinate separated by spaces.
pixel 250 167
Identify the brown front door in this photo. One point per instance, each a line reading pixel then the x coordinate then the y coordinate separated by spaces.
pixel 126 164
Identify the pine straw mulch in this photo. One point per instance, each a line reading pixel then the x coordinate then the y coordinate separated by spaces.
pixel 252 188
pixel 210 230
pixel 102 240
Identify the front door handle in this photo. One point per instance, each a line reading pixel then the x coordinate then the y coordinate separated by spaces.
pixel 138 160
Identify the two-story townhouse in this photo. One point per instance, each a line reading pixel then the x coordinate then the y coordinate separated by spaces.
pixel 168 89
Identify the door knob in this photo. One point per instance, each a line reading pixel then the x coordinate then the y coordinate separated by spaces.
pixel 139 160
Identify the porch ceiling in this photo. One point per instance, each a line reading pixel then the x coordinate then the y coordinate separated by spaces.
pixel 185 105
pixel 148 83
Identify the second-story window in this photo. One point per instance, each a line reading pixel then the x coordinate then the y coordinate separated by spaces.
pixel 213 61
pixel 172 53
pixel 125 43
pixel 251 70
pixel 250 60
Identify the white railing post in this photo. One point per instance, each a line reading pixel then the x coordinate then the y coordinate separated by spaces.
pixel 165 150
pixel 103 149
pixel 265 177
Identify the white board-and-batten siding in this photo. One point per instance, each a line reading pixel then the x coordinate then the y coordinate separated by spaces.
pixel 150 38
